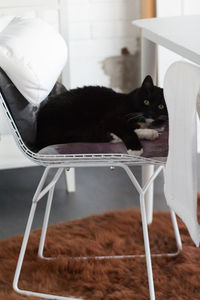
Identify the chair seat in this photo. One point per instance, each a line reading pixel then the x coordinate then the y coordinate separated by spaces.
pixel 84 148
pixel 158 147
pixel 155 148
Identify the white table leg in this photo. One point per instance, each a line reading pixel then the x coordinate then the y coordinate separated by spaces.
pixel 63 13
pixel 148 59
pixel 70 180
pixel 148 67
pixel 147 172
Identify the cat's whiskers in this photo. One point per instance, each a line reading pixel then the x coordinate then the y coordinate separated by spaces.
pixel 130 114
pixel 135 116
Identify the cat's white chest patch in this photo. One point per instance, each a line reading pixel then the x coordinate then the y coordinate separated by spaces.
pixel 147 134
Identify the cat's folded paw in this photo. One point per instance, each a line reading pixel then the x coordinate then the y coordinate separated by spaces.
pixel 147 134
pixel 135 152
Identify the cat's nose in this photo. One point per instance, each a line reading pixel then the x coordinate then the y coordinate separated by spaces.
pixel 149 115
pixel 163 117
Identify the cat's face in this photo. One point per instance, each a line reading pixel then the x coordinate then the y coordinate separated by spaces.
pixel 150 101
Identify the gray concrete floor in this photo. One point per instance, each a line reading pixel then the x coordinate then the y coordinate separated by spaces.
pixel 98 190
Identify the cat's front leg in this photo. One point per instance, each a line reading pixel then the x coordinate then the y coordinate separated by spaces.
pixel 133 144
pixel 128 136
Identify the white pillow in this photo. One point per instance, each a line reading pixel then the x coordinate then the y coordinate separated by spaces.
pixel 33 54
pixel 4 126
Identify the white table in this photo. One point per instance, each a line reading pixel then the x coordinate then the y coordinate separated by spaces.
pixel 180 35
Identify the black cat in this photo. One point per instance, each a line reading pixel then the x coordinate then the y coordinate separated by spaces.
pixel 91 114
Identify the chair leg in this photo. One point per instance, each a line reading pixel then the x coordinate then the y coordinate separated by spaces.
pixel 46 215
pixel 23 249
pixel 175 227
pixel 38 195
pixel 45 223
pixel 176 232
pixel 140 190
pixel 147 172
pixel 147 247
pixel 148 255
pixel 24 246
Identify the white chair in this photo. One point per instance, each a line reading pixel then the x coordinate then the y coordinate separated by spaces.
pixel 182 90
pixel 58 158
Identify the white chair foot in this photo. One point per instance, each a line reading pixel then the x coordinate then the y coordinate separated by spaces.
pixel 70 180
pixel 43 295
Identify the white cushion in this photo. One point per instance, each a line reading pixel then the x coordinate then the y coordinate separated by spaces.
pixel 33 54
pixel 4 126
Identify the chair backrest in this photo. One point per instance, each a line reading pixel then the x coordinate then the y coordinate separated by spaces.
pixel 24 114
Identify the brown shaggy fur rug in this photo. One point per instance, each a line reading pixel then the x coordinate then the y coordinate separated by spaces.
pixel 112 233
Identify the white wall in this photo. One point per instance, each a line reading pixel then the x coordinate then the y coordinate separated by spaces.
pixel 98 29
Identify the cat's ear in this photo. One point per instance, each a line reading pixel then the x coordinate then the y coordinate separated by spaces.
pixel 148 82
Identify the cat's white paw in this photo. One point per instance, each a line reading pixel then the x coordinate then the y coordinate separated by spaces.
pixel 135 152
pixel 161 129
pixel 116 139
pixel 147 134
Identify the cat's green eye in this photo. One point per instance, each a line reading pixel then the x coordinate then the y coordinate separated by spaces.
pixel 161 106
pixel 146 102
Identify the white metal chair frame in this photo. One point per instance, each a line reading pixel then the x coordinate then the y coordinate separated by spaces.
pixel 61 162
